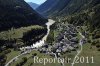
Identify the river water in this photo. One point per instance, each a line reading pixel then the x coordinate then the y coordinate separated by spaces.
pixel 36 45
pixel 42 41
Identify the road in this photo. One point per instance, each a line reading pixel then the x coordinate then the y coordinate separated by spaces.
pixel 36 45
pixel 42 42
pixel 79 51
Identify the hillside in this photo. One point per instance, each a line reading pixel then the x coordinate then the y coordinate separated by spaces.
pixel 33 5
pixel 20 26
pixel 17 13
pixel 18 19
pixel 65 7
pixel 75 33
pixel 76 12
pixel 46 6
pixel 84 15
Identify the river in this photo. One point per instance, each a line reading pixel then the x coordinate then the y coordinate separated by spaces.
pixel 42 41
pixel 36 45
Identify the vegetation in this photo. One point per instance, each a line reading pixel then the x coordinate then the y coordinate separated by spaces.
pixel 18 14
pixel 21 26
pixel 18 37
pixel 24 60
pixel 83 14
pixel 33 36
pixel 50 38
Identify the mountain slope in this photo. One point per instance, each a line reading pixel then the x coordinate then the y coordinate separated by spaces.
pixel 17 13
pixel 80 13
pixel 33 5
pixel 20 25
pixel 70 8
pixel 46 6
pixel 65 7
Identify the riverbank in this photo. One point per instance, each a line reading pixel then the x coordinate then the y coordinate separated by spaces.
pixel 67 44
pixel 43 40
pixel 28 49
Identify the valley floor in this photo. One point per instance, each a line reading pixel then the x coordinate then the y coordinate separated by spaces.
pixel 88 57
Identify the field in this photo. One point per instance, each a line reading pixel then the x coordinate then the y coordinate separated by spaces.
pixel 87 52
pixel 17 33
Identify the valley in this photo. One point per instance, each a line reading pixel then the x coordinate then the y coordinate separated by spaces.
pixel 53 30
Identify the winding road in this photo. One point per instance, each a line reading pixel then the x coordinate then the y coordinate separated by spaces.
pixel 79 51
pixel 36 45
pixel 42 42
